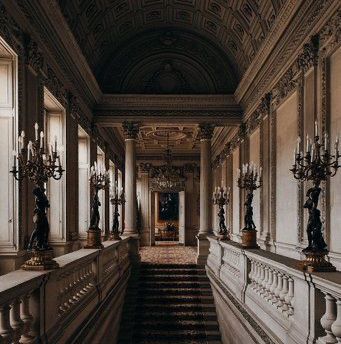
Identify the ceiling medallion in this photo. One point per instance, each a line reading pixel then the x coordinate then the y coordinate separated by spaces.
pixel 167 177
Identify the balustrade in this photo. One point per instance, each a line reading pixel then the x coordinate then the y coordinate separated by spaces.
pixel 278 293
pixel 59 298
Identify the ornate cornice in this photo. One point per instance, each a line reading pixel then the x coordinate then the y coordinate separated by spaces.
pixel 33 56
pixel 205 131
pixel 309 57
pixel 55 86
pixel 278 60
pixel 131 129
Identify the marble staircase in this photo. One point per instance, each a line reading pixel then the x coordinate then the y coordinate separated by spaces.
pixel 169 304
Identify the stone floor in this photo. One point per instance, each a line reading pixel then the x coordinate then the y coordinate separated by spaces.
pixel 168 253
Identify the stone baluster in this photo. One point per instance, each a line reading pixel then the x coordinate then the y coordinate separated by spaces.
pixel 16 322
pixel 278 290
pixel 6 331
pixel 336 326
pixel 252 272
pixel 328 319
pixel 261 279
pixel 283 293
pixel 265 280
pixel 268 284
pixel 272 297
pixel 258 277
pixel 289 299
pixel 255 275
pixel 27 319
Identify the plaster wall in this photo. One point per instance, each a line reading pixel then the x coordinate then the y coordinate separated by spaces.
pixel 286 185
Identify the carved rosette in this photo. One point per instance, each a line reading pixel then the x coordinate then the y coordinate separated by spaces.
pixel 205 131
pixel 131 130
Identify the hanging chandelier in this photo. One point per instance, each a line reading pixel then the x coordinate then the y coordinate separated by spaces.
pixel 168 177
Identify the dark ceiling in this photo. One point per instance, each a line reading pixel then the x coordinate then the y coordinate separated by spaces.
pixel 170 46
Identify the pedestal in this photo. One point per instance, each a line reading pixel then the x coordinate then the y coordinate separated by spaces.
pixel 316 262
pixel 114 236
pixel 40 260
pixel 224 237
pixel 249 238
pixel 203 249
pixel 94 239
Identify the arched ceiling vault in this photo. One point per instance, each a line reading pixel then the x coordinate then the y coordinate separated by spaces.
pixel 184 46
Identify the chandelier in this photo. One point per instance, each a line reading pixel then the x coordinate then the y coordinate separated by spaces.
pixel 168 177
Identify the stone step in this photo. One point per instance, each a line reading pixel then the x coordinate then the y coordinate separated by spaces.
pixel 168 272
pixel 179 335
pixel 174 285
pixel 178 291
pixel 175 317
pixel 160 308
pixel 171 266
pixel 177 325
pixel 175 299
pixel 175 278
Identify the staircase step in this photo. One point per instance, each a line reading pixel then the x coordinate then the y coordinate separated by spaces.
pixel 178 291
pixel 174 317
pixel 179 278
pixel 181 334
pixel 180 325
pixel 175 299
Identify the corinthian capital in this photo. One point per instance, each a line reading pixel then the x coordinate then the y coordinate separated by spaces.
pixel 130 129
pixel 205 131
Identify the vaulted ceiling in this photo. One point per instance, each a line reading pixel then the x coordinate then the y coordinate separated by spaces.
pixel 170 46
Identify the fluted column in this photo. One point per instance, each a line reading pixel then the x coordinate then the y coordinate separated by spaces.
pixel 131 132
pixel 205 135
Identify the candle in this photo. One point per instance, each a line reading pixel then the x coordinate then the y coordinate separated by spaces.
pixel 36 127
pixel 325 141
pixel 238 172
pixel 29 150
pixel 55 143
pixel 41 139
pixel 312 154
pixel 298 144
pixel 316 129
pixel 260 173
pixel 14 160
pixel 19 143
pixel 307 143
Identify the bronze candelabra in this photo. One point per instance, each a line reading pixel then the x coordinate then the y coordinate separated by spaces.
pixel 116 199
pixel 250 179
pixel 38 163
pixel 316 165
pixel 99 180
pixel 221 198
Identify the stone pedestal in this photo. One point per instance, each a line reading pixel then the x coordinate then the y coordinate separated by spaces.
pixel 249 238
pixel 94 239
pixel 202 249
pixel 40 260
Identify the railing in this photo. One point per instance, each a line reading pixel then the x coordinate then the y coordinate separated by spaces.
pixel 291 306
pixel 49 306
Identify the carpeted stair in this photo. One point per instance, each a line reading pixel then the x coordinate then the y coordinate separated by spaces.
pixel 169 304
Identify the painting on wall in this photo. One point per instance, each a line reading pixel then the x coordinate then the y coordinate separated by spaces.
pixel 169 206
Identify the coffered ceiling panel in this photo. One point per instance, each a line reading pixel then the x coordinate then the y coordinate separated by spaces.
pixel 229 32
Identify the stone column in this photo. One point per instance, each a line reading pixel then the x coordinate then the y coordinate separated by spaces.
pixel 205 135
pixel 131 132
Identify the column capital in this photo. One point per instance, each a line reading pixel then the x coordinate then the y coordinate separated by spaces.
pixel 206 131
pixel 130 129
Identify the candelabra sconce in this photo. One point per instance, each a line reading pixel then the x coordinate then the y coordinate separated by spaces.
pixel 250 179
pixel 38 162
pixel 116 199
pixel 221 197
pixel 99 180
pixel 315 166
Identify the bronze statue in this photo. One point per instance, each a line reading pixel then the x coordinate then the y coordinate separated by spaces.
pixel 39 236
pixel 222 226
pixel 248 218
pixel 314 226
pixel 94 221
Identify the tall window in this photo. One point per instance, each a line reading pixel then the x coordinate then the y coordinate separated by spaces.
pixel 8 144
pixel 54 121
pixel 112 186
pixel 101 194
pixel 83 183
